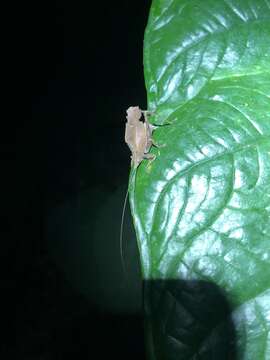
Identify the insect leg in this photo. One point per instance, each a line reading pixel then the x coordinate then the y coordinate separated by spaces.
pixel 147 113
pixel 150 157
pixel 157 145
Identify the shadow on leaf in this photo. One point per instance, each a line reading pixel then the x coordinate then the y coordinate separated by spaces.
pixel 188 320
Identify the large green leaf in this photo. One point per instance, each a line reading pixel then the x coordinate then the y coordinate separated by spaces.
pixel 201 209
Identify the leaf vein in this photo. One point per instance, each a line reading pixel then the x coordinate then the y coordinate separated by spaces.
pixel 203 162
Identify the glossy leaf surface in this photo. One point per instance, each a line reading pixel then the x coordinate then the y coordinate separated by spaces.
pixel 201 209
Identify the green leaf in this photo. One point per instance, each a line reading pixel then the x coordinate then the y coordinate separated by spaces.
pixel 201 209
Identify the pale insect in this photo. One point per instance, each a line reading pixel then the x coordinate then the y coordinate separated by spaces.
pixel 138 136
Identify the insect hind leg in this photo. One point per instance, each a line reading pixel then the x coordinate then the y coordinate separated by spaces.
pixel 150 157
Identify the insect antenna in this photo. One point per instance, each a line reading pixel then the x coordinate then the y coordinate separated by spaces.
pixel 132 177
pixel 121 234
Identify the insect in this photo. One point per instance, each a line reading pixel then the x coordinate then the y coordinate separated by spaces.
pixel 138 136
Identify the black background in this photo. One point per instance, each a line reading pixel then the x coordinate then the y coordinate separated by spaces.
pixel 84 64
